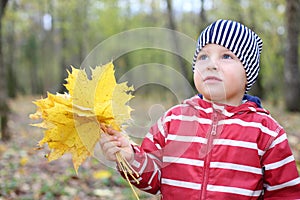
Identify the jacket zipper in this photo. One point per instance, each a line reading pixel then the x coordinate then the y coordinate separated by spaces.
pixel 210 137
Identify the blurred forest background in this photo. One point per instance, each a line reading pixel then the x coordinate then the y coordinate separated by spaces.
pixel 40 39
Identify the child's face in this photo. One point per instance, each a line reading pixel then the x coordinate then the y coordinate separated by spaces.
pixel 219 75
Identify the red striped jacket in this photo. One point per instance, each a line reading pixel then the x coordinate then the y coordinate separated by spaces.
pixel 199 150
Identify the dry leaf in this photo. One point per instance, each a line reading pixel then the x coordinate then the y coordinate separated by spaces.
pixel 102 174
pixel 71 121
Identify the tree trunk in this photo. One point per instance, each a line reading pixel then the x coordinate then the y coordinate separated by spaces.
pixel 291 68
pixel 12 82
pixel 202 16
pixel 177 45
pixel 63 61
pixel 32 56
pixel 4 111
pixel 257 88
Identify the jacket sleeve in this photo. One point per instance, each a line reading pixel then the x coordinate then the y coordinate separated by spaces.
pixel 281 178
pixel 148 159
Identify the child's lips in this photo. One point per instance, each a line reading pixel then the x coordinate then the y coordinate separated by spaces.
pixel 212 79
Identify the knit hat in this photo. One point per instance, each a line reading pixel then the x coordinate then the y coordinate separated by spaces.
pixel 239 39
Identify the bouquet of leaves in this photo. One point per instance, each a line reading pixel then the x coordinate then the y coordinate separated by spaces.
pixel 74 121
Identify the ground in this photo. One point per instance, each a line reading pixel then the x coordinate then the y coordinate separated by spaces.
pixel 26 174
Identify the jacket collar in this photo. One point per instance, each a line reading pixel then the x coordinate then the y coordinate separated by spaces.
pixel 250 104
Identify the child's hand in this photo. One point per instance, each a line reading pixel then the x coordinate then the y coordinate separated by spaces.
pixel 113 142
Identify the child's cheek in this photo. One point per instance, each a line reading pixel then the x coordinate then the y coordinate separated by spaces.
pixel 198 82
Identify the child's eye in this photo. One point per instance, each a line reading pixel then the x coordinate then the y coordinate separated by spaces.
pixel 202 57
pixel 227 56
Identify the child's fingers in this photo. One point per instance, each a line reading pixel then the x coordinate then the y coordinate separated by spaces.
pixel 114 132
pixel 112 141
pixel 110 146
pixel 106 138
pixel 118 136
pixel 107 141
pixel 111 153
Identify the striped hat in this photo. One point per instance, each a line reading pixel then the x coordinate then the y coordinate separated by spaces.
pixel 239 39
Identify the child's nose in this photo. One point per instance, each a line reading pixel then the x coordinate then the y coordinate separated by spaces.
pixel 212 64
pixel 208 64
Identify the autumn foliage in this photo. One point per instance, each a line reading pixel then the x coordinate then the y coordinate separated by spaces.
pixel 72 120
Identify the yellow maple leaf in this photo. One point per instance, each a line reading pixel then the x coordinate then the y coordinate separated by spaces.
pixel 72 121
pixel 102 174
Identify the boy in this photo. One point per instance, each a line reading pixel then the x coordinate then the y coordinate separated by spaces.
pixel 221 144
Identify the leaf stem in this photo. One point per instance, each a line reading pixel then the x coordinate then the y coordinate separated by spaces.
pixel 124 166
